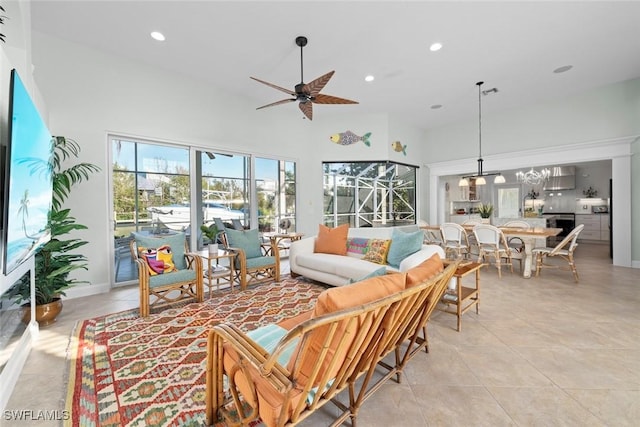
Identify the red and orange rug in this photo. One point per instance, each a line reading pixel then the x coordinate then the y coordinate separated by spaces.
pixel 130 371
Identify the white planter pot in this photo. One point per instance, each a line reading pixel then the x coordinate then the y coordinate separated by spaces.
pixel 213 249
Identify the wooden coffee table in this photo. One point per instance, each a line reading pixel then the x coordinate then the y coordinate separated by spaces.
pixel 462 298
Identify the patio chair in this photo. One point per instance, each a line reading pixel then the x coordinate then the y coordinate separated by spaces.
pixel 121 252
pixel 491 242
pixel 564 250
pixel 167 273
pixel 237 225
pixel 253 263
pixel 454 239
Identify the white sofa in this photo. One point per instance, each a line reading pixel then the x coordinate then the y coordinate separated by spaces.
pixel 338 270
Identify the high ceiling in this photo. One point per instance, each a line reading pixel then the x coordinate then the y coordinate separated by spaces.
pixel 512 46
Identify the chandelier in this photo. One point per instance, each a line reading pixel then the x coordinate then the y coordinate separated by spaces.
pixel 533 176
pixel 480 177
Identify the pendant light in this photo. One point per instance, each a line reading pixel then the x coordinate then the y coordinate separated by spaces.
pixel 480 177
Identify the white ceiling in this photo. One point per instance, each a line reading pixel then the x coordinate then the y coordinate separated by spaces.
pixel 514 46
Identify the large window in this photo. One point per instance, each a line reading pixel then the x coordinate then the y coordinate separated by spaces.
pixel 150 187
pixel 365 194
pixel 276 194
pixel 152 192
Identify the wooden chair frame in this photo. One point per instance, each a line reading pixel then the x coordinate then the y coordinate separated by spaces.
pixel 171 293
pixel 390 322
pixel 496 246
pixel 459 246
pixel 246 275
pixel 567 254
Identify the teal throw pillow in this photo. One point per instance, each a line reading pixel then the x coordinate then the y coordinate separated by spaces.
pixel 247 240
pixel 402 245
pixel 378 272
pixel 174 240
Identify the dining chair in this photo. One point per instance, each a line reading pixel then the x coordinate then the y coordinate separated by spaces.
pixel 431 237
pixel 516 243
pixel 564 250
pixel 454 239
pixel 491 242
pixel 473 244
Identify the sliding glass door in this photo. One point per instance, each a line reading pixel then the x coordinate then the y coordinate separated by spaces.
pixel 154 184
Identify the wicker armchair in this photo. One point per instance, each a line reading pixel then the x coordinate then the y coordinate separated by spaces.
pixel 283 373
pixel 254 263
pixel 160 290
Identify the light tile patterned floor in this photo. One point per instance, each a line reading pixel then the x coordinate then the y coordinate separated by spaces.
pixel 544 351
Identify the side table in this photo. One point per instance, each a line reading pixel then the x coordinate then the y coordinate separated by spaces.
pixel 217 273
pixel 462 297
pixel 277 238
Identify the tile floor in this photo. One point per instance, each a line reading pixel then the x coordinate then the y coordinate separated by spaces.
pixel 542 352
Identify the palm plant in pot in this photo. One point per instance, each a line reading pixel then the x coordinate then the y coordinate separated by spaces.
pixel 211 232
pixel 54 262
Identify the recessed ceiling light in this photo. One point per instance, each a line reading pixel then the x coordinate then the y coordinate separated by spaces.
pixel 156 35
pixel 436 106
pixel 369 78
pixel 435 47
pixel 563 69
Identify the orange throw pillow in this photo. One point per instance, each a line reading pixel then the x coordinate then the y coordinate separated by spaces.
pixel 424 271
pixel 332 240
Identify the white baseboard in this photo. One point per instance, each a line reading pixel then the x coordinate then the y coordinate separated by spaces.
pixel 87 290
pixel 11 372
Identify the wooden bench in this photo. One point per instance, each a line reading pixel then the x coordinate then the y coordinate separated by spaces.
pixel 318 354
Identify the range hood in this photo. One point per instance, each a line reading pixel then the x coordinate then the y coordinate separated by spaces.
pixel 562 178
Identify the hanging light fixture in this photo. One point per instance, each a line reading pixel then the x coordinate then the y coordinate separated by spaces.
pixel 480 177
pixel 533 176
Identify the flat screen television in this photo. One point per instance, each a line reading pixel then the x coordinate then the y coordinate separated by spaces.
pixel 27 179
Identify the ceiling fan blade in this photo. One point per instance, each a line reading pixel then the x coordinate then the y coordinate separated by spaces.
pixel 328 99
pixel 314 87
pixel 284 101
pixel 275 86
pixel 307 109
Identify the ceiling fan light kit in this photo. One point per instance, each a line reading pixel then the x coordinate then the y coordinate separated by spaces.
pixel 306 94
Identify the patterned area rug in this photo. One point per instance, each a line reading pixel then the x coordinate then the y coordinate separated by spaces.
pixel 130 371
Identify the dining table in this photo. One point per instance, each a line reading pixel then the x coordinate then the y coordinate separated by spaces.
pixel 528 236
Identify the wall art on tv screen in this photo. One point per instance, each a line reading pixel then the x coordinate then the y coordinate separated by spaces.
pixel 28 188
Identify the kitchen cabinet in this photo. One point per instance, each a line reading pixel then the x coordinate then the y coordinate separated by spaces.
pixel 464 210
pixel 596 226
pixel 604 227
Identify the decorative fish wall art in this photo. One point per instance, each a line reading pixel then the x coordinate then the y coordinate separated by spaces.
pixel 398 147
pixel 348 138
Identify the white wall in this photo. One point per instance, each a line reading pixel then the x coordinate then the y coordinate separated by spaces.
pixel 91 93
pixel 603 114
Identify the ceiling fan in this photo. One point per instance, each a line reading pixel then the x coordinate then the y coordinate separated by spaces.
pixel 309 93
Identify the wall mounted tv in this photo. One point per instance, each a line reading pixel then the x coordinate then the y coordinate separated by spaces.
pixel 27 179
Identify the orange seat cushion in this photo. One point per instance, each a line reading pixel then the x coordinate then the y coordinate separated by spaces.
pixel 332 240
pixel 424 271
pixel 336 299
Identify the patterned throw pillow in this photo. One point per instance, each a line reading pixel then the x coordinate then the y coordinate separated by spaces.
pixel 357 245
pixel 378 250
pixel 159 260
